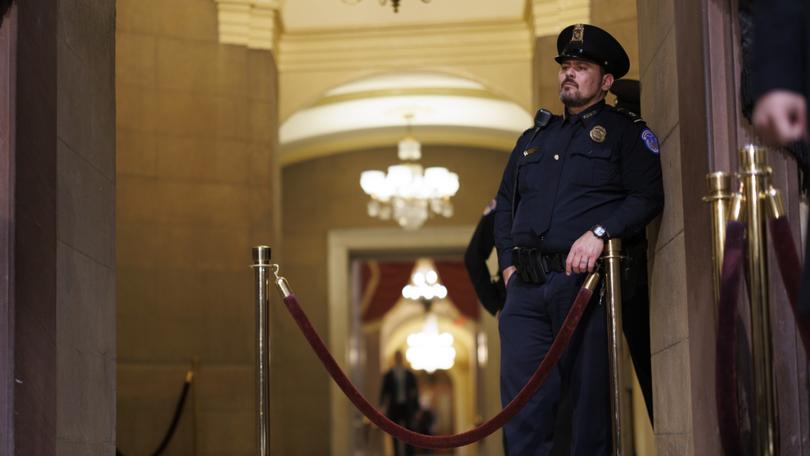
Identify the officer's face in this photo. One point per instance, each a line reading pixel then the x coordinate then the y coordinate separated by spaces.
pixel 582 83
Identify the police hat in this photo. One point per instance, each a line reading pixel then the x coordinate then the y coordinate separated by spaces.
pixel 588 42
pixel 628 95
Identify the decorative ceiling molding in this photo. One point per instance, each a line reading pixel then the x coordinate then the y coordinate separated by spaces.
pixel 550 16
pixel 318 15
pixel 406 46
pixel 372 112
pixel 255 24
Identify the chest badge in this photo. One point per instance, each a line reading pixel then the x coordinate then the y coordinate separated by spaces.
pixel 598 133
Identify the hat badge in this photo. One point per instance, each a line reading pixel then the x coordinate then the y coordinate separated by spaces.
pixel 578 34
pixel 598 133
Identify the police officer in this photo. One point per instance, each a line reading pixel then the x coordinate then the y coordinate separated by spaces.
pixel 571 182
pixel 782 90
pixel 635 292
pixel 488 288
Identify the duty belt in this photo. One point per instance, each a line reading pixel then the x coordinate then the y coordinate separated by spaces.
pixel 533 265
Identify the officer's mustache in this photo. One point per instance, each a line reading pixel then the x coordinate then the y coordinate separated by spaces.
pixel 569 81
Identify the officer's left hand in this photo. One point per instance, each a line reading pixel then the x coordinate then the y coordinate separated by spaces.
pixel 584 253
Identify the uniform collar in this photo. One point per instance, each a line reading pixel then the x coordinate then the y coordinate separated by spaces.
pixel 587 115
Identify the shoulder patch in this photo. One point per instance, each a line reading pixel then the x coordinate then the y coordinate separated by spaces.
pixel 650 141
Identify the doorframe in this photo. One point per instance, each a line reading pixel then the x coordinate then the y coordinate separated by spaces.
pixel 8 115
pixel 342 245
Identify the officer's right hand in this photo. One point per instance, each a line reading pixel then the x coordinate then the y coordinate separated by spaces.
pixel 780 117
pixel 584 253
pixel 507 274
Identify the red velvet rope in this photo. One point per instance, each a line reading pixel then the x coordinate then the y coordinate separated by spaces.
pixel 725 377
pixel 726 367
pixel 443 441
pixel 790 269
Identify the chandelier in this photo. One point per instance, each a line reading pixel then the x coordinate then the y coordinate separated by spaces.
pixel 424 286
pixel 394 3
pixel 428 349
pixel 408 193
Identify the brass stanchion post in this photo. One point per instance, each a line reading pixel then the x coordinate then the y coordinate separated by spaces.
pixel 776 208
pixel 261 266
pixel 619 401
pixel 719 196
pixel 754 174
pixel 195 363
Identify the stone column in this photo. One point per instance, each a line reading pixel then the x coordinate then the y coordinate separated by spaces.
pixel 64 236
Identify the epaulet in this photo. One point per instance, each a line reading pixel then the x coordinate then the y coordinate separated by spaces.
pixel 630 114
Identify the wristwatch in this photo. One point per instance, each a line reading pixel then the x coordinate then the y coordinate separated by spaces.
pixel 600 232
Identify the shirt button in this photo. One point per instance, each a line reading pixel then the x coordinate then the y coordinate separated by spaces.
pixel 556 157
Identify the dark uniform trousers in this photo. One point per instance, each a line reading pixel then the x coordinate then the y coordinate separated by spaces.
pixel 529 322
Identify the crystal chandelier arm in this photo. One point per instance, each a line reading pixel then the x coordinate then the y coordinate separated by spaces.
pixel 372 181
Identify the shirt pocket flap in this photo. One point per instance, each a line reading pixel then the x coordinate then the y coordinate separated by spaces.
pixel 595 152
pixel 533 157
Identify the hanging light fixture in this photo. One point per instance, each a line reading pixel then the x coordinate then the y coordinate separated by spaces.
pixel 394 3
pixel 428 349
pixel 406 192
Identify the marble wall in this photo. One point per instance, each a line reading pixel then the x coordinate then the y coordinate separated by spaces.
pixel 197 132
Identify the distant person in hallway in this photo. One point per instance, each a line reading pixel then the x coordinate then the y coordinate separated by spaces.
pixel 572 182
pixel 399 397
pixel 781 73
pixel 424 420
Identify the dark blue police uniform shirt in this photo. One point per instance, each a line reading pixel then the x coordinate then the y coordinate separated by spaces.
pixel 567 181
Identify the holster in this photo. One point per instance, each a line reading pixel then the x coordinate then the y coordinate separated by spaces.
pixel 529 264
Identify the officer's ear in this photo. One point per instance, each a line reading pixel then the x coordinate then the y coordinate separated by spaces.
pixel 607 81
